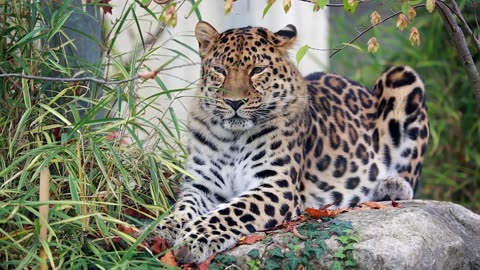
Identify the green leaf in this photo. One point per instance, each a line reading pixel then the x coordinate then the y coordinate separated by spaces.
pixel 353 46
pixel 145 3
pixel 339 254
pixel 267 239
pixel 405 6
pixel 320 4
pixel 58 24
pixel 252 264
pixel 293 262
pixel 194 7
pixel 276 252
pixel 336 266
pixel 343 223
pixel 254 253
pixel 266 9
pixel 349 247
pixel 350 262
pixel 344 239
pixel 313 249
pixel 350 7
pixel 301 53
pixel 354 239
pixel 225 259
pixel 272 265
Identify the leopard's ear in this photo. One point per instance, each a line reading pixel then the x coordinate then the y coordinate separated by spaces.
pixel 285 37
pixel 206 35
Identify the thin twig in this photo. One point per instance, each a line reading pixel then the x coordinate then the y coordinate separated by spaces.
pixel 461 44
pixel 90 79
pixel 56 79
pixel 370 28
pixel 456 10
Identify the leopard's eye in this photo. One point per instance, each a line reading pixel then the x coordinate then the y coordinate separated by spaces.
pixel 257 70
pixel 219 69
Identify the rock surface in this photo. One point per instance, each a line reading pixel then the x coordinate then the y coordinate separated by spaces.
pixel 417 235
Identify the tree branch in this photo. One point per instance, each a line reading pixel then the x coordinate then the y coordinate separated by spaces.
pixel 89 79
pixel 370 28
pixel 459 15
pixel 57 79
pixel 461 44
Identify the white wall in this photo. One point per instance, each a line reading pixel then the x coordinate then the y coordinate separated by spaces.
pixel 312 29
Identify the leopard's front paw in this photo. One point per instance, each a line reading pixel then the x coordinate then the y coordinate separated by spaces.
pixel 200 243
pixel 167 229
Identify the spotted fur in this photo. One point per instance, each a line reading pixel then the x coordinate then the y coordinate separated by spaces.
pixel 265 142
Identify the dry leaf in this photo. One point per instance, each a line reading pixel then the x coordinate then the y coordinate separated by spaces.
pixel 402 22
pixel 395 204
pixel 127 229
pixel 204 265
pixel 411 13
pixel 288 226
pixel 169 259
pixel 252 239
pixel 159 245
pixel 319 213
pixel 414 36
pixel 375 18
pixel 373 45
pixel 373 205
pixel 297 234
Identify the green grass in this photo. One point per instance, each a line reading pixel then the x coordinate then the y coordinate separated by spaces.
pixel 110 166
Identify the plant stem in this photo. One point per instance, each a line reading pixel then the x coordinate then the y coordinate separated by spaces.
pixel 82 188
pixel 43 209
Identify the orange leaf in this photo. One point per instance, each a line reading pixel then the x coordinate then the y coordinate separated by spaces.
pixel 373 205
pixel 127 229
pixel 204 265
pixel 159 245
pixel 252 239
pixel 169 259
pixel 318 213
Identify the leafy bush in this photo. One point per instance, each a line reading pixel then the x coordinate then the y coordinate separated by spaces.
pixel 100 181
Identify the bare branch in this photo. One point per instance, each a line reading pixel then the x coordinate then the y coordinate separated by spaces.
pixel 458 13
pixel 462 47
pixel 84 79
pixel 56 79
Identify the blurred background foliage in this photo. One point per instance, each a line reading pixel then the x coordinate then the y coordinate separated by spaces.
pixel 451 170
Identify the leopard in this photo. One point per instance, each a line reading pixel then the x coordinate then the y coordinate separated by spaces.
pixel 265 142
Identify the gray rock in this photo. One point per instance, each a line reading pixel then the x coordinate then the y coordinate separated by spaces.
pixel 417 235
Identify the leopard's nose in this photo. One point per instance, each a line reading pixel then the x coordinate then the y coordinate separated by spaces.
pixel 235 104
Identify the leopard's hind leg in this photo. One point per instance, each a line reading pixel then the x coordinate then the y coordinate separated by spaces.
pixel 401 133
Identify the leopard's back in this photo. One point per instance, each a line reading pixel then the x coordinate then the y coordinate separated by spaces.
pixel 360 137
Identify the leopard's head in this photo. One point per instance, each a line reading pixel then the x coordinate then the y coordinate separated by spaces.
pixel 247 78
